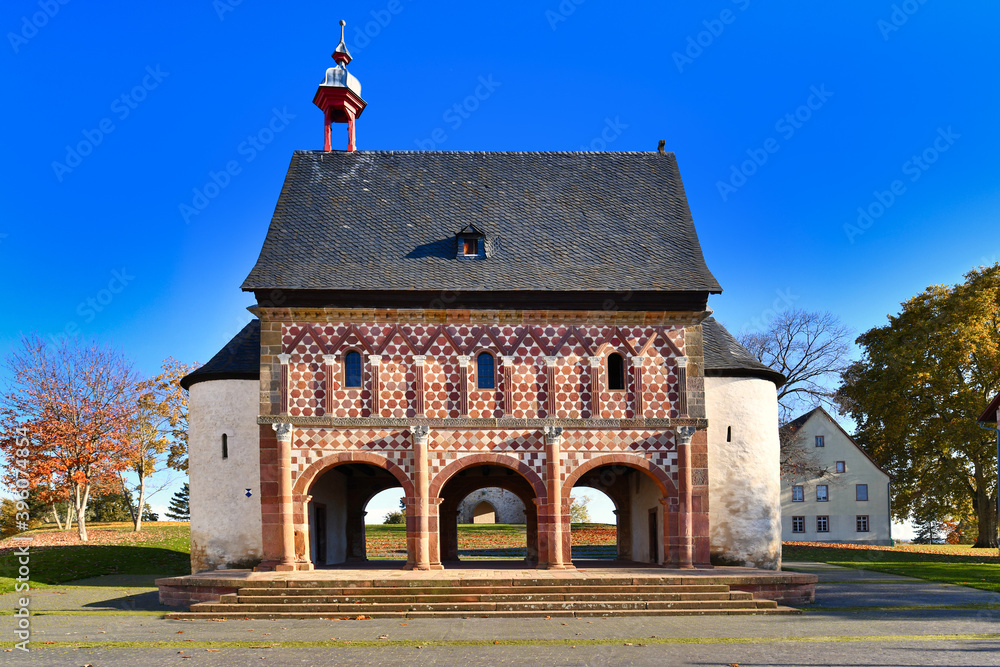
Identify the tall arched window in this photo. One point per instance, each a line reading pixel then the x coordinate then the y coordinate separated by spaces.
pixel 225 446
pixel 485 371
pixel 616 371
pixel 352 370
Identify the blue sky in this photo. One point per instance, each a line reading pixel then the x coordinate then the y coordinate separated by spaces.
pixel 785 122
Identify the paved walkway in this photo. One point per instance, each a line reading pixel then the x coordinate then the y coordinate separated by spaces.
pixel 860 618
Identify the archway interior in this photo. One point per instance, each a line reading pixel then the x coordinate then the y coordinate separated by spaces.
pixel 466 483
pixel 594 537
pixel 484 513
pixel 337 514
pixel 638 511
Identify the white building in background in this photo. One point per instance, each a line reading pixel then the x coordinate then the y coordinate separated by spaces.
pixel 849 503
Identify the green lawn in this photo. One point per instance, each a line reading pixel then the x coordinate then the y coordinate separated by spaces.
pixel 163 551
pixel 961 565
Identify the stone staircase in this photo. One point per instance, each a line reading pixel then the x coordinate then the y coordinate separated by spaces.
pixel 479 598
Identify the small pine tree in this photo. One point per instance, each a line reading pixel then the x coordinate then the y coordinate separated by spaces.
pixel 179 510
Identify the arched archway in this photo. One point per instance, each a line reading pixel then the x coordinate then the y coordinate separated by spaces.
pixel 330 497
pixel 644 496
pixel 475 472
pixel 484 512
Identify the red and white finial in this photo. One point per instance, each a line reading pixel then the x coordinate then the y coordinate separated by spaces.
pixel 339 96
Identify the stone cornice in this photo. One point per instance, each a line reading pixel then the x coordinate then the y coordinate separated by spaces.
pixel 498 317
pixel 510 423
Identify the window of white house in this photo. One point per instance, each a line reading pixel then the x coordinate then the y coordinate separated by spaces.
pixel 822 524
pixel 841 466
pixel 798 524
pixel 822 493
pixel 861 491
pixel 797 494
pixel 862 523
pixel 820 442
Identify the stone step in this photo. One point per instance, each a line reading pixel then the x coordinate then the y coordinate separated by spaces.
pixel 236 616
pixel 474 590
pixel 494 597
pixel 474 606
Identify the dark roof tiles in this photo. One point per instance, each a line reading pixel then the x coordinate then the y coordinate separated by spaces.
pixel 725 357
pixel 569 221
pixel 238 360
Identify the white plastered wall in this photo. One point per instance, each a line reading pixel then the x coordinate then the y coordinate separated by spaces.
pixel 644 496
pixel 744 475
pixel 225 523
pixel 330 490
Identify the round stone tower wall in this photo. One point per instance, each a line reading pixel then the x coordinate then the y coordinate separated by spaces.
pixel 507 507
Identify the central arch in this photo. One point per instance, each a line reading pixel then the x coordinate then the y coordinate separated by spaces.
pixel 474 472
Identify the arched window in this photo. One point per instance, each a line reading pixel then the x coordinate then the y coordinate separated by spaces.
pixel 485 371
pixel 616 371
pixel 225 446
pixel 352 370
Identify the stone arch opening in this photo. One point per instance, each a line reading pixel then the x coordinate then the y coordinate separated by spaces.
pixel 484 513
pixel 496 473
pixel 645 500
pixel 331 499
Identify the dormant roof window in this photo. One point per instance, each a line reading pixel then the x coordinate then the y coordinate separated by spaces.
pixel 471 243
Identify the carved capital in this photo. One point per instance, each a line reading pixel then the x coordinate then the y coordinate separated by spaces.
pixel 419 359
pixel 637 361
pixel 374 359
pixel 463 360
pixel 550 361
pixel 595 362
pixel 330 359
pixel 507 360
pixel 420 434
pixel 682 362
pixel 684 434
pixel 553 435
pixel 284 359
pixel 283 431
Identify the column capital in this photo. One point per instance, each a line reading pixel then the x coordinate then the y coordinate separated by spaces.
pixel 508 360
pixel 420 359
pixel 550 361
pixel 553 435
pixel 682 362
pixel 284 359
pixel 420 434
pixel 684 434
pixel 463 360
pixel 374 359
pixel 637 361
pixel 284 432
pixel 595 362
pixel 330 359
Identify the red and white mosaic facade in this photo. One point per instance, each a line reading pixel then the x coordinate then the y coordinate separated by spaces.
pixel 418 413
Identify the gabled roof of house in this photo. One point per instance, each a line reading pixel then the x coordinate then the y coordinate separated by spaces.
pixel 796 424
pixel 725 357
pixel 566 221
pixel 238 360
pixel 989 415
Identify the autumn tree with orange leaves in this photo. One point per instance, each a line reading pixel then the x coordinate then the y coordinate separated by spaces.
pixel 69 405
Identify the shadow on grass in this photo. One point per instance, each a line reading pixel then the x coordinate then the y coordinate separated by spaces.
pixel 61 564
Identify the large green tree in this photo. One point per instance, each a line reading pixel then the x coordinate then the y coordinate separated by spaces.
pixel 915 395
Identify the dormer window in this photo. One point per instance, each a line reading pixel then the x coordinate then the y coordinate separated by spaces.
pixel 471 243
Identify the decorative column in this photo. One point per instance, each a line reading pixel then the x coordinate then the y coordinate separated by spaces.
pixel 682 384
pixel 595 387
pixel 421 489
pixel 283 400
pixel 508 385
pixel 418 384
pixel 330 369
pixel 553 521
pixel 685 526
pixel 550 387
pixel 463 389
pixel 285 514
pixel 638 405
pixel 374 364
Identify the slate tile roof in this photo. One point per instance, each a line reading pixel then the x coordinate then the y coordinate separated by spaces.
pixel 725 357
pixel 238 360
pixel 570 221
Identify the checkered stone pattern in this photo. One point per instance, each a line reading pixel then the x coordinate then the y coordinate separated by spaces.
pixel 580 446
pixel 447 446
pixel 442 344
pixel 306 384
pixel 311 445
